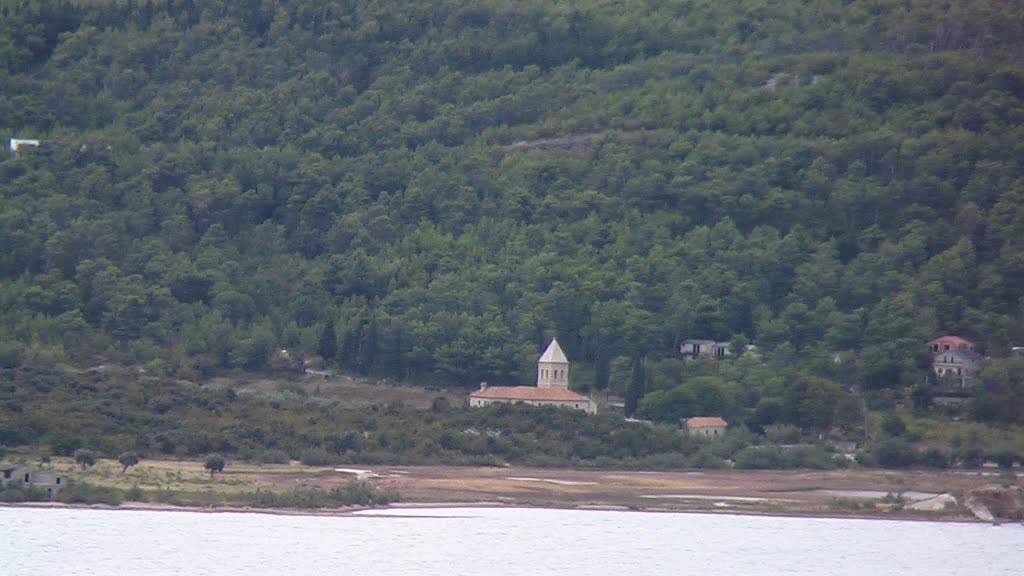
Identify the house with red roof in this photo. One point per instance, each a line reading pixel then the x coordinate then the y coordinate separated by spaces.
pixel 710 426
pixel 954 358
pixel 552 387
pixel 947 343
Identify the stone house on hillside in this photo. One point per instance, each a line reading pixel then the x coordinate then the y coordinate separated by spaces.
pixel 22 475
pixel 954 358
pixel 691 349
pixel 709 426
pixel 552 387
pixel 957 364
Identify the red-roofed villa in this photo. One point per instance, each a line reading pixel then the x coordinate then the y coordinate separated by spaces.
pixel 954 358
pixel 552 387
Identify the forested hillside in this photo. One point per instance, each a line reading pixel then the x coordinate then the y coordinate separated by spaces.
pixel 430 190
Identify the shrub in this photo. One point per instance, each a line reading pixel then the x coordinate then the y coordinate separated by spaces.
pixel 866 459
pixel 11 354
pixel 972 457
pixel 759 458
pixel 893 425
pixel 934 458
pixel 705 459
pixel 665 461
pixel 352 494
pixel 1004 458
pixel 63 444
pixel 135 494
pixel 807 457
pixel 844 504
pixel 85 493
pixel 319 457
pixel 782 434
pixel 15 492
pixel 895 453
pixel 274 456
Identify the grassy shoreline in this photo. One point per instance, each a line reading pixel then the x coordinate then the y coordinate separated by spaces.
pixel 297 489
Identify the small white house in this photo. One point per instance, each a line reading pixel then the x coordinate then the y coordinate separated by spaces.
pixel 692 349
pixel 17 143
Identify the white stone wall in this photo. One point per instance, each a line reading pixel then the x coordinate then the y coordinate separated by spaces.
pixel 710 431
pixel 587 406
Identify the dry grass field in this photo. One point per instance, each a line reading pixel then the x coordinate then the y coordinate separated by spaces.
pixel 346 390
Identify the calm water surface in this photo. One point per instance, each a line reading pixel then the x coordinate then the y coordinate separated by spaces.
pixel 495 541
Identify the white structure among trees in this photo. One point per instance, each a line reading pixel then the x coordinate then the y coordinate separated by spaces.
pixel 19 142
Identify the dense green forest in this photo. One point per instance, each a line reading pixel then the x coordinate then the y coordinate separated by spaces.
pixel 428 191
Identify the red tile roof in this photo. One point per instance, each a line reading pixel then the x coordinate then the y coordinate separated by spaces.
pixel 953 340
pixel 527 393
pixel 706 422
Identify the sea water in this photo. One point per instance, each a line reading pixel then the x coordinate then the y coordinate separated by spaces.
pixel 494 541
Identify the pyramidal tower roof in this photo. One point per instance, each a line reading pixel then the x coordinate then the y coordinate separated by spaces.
pixel 553 353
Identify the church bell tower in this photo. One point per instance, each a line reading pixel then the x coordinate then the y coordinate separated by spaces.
pixel 553 367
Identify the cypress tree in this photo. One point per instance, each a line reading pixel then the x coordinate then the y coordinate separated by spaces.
pixel 327 347
pixel 635 390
